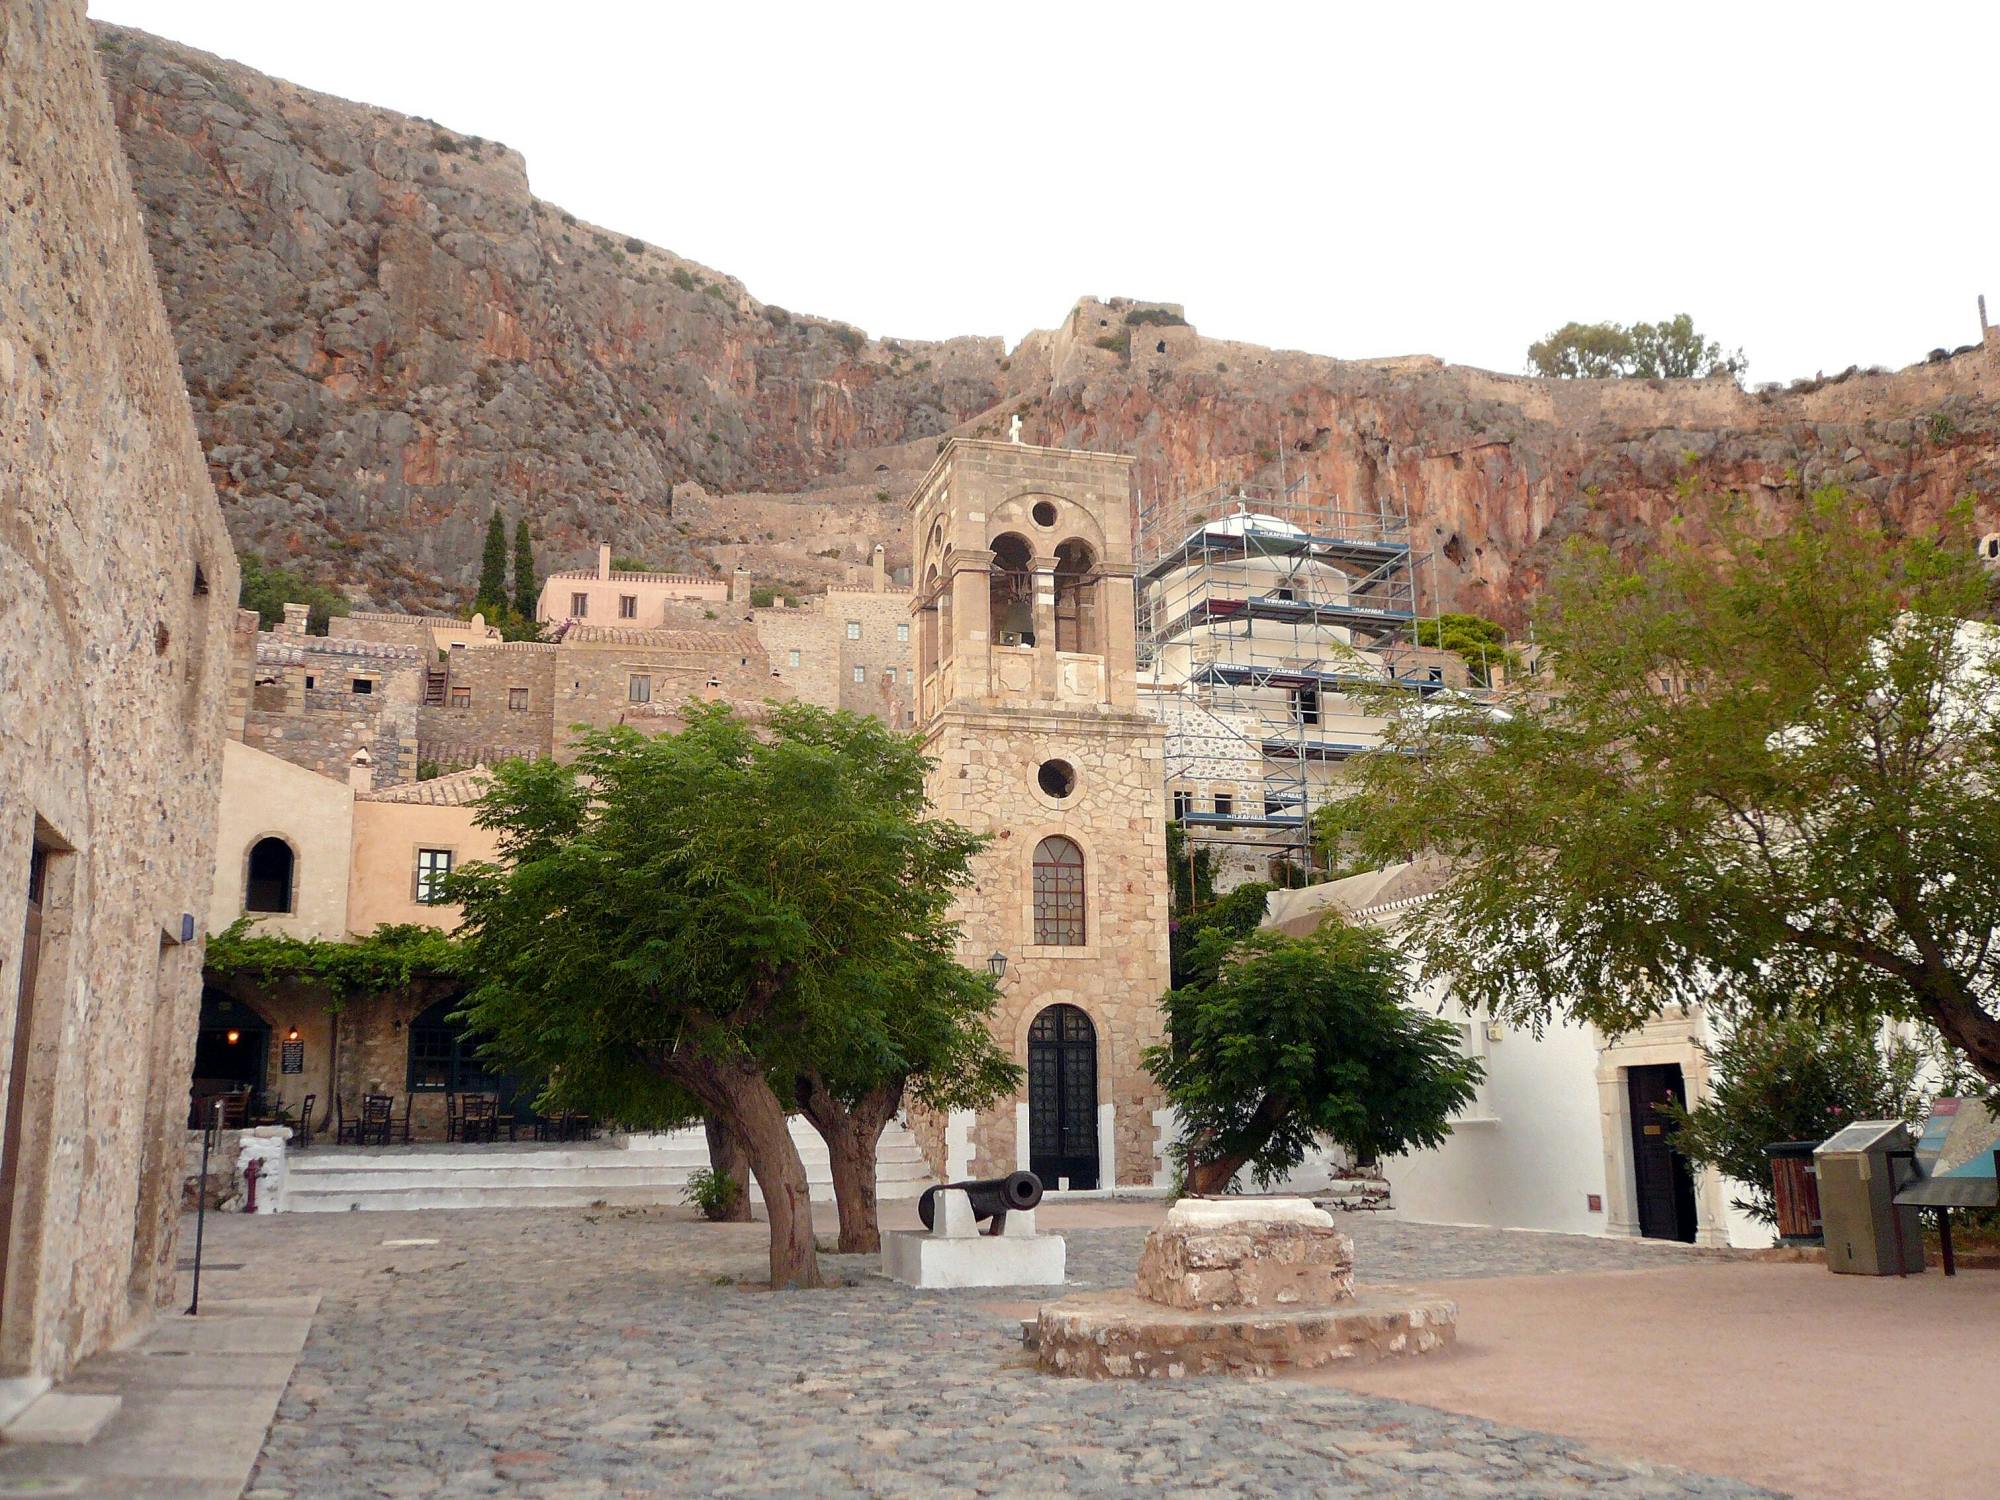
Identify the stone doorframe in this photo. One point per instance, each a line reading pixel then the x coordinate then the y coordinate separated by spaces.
pixel 1671 1037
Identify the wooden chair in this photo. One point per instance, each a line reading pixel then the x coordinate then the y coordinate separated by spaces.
pixel 377 1116
pixel 346 1132
pixel 453 1122
pixel 302 1133
pixel 403 1130
pixel 235 1109
pixel 478 1118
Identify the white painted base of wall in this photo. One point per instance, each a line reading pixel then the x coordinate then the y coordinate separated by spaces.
pixel 918 1258
pixel 641 1169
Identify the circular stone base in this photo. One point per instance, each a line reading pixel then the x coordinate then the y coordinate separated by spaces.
pixel 1122 1334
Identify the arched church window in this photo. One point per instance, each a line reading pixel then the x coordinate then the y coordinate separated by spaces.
pixel 267 884
pixel 1012 596
pixel 1076 597
pixel 1058 893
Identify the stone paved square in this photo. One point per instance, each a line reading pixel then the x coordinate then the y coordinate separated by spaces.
pixel 630 1352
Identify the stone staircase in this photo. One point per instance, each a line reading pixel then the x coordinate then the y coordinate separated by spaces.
pixel 636 1169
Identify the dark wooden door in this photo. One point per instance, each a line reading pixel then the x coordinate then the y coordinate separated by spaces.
pixel 1664 1180
pixel 1062 1097
pixel 15 1116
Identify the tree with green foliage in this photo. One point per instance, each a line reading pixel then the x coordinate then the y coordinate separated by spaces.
pixel 392 957
pixel 1793 1078
pixel 492 596
pixel 1668 350
pixel 1768 778
pixel 719 920
pixel 1199 941
pixel 1294 1039
pixel 1481 643
pixel 527 588
pixel 268 590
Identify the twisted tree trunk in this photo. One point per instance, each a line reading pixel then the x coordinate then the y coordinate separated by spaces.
pixel 738 1094
pixel 727 1158
pixel 852 1133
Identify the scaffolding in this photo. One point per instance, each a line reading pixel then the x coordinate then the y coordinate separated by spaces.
pixel 1262 610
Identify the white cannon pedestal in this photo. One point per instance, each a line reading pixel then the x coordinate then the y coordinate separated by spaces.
pixel 956 1254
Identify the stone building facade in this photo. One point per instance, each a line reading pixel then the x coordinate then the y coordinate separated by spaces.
pixel 1027 703
pixel 115 631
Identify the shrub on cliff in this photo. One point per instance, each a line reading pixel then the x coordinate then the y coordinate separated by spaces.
pixel 268 590
pixel 1669 350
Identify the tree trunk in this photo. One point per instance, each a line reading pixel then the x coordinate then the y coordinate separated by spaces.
pixel 727 1158
pixel 1211 1173
pixel 852 1136
pixel 739 1095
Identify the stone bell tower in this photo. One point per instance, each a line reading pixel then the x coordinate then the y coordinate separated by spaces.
pixel 1027 700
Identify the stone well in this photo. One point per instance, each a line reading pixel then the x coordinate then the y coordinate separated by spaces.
pixel 1239 1287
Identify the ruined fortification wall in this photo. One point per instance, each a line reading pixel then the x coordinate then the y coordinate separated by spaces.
pixel 115 622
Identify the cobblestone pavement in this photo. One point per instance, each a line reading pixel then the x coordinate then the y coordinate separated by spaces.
pixel 628 1352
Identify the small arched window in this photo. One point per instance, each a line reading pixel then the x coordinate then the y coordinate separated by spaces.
pixel 1058 893
pixel 267 885
pixel 1012 591
pixel 1076 597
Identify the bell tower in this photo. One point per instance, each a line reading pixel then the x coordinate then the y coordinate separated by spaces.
pixel 1027 687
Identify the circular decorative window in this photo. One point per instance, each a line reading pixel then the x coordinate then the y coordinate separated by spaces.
pixel 1057 778
pixel 1044 513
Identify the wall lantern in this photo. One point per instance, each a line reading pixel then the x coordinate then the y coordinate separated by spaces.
pixel 997 966
pixel 235 1036
pixel 292 1035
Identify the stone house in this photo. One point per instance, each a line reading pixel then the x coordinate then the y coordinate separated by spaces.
pixel 607 596
pixel 115 636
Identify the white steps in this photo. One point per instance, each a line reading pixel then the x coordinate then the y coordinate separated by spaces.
pixel 636 1170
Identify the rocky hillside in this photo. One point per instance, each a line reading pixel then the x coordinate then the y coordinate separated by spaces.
pixel 385 334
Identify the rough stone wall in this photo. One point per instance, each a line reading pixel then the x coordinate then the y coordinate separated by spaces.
pixel 477 724
pixel 114 670
pixel 878 653
pixel 816 679
pixel 593 678
pixel 305 709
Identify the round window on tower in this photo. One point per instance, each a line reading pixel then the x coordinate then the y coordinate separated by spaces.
pixel 1057 778
pixel 1044 513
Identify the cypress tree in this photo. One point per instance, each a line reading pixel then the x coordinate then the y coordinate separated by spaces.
pixel 492 595
pixel 527 593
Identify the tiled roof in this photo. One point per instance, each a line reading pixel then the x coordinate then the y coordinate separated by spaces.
pixel 454 790
pixel 721 642
pixel 292 650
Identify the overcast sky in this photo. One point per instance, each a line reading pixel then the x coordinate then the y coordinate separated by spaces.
pixel 1815 183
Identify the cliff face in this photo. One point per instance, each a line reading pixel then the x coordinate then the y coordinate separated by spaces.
pixel 385 335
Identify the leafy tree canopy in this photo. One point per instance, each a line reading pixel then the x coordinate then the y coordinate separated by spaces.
pixel 1768 777
pixel 1669 350
pixel 1480 642
pixel 702 918
pixel 1298 1038
pixel 268 590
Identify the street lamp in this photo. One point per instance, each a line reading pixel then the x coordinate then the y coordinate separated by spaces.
pixel 997 966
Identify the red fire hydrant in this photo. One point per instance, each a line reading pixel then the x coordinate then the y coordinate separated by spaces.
pixel 250 1176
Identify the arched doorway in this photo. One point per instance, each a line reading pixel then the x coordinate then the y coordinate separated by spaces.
pixel 1062 1098
pixel 232 1048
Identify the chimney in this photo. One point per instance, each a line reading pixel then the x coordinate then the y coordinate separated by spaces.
pixel 603 561
pixel 739 586
pixel 295 619
pixel 361 772
pixel 880 582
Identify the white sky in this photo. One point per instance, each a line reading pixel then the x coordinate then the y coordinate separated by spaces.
pixel 1816 183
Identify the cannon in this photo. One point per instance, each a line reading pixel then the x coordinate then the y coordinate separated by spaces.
pixel 991 1198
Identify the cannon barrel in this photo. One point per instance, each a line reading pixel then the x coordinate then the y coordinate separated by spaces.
pixel 991 1197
